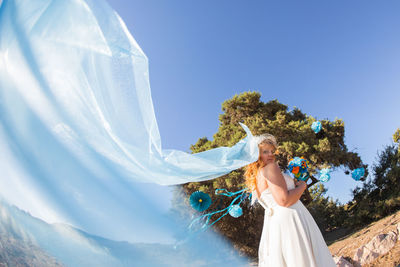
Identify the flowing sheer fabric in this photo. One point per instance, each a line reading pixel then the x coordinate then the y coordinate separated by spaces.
pixel 79 138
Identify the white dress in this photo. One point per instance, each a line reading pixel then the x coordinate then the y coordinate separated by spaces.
pixel 290 236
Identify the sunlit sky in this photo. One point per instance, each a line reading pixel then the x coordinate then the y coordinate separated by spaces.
pixel 331 59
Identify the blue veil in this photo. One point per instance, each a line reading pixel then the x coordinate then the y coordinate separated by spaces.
pixel 80 146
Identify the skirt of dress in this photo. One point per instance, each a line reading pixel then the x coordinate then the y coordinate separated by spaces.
pixel 291 238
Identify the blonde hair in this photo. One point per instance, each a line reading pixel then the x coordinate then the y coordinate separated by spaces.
pixel 252 168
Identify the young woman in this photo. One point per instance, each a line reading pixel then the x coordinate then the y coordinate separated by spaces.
pixel 290 236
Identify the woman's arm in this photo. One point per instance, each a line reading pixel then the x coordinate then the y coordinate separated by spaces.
pixel 295 194
pixel 277 184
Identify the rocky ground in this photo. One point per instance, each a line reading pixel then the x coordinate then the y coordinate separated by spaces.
pixel 378 237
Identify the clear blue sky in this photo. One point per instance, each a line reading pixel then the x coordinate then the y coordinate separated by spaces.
pixel 328 58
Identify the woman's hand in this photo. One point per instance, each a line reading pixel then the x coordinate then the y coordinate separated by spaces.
pixel 300 183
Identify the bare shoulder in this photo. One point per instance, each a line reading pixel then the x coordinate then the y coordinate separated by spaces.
pixel 272 168
pixel 272 173
pixel 276 182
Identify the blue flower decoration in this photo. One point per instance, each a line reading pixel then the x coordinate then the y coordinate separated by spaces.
pixel 297 161
pixel 200 201
pixel 316 126
pixel 235 211
pixel 324 175
pixel 358 173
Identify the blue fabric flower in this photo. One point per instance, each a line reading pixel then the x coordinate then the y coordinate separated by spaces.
pixel 316 126
pixel 324 175
pixel 200 201
pixel 235 211
pixel 358 173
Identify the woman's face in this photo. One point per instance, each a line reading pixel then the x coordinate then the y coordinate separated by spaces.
pixel 267 153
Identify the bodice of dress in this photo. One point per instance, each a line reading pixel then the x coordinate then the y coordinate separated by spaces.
pixel 266 199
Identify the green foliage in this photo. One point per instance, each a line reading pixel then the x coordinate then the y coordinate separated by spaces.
pixel 327 213
pixel 382 190
pixel 396 138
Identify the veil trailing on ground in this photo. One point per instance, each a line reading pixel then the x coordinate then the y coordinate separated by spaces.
pixel 79 139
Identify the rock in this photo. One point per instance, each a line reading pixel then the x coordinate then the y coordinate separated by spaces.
pixel 398 231
pixel 364 255
pixel 341 262
pixel 383 243
pixel 378 246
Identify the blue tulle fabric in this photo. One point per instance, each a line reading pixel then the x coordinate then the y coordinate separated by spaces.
pixel 79 140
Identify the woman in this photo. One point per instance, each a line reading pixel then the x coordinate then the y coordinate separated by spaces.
pixel 290 236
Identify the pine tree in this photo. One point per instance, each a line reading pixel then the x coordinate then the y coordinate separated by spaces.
pixel 381 190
